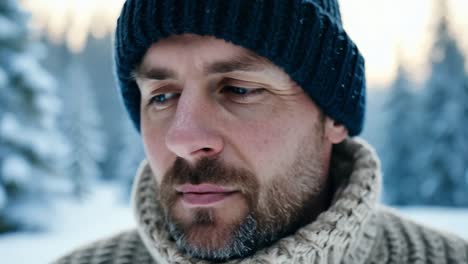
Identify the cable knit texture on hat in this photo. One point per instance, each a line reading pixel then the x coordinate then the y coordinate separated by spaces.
pixel 303 37
pixel 354 230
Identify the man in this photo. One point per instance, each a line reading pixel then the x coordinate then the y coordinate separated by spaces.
pixel 246 110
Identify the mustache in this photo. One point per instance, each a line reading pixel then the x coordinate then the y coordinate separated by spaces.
pixel 207 170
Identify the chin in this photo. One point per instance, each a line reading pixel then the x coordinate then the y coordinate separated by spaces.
pixel 213 233
pixel 213 237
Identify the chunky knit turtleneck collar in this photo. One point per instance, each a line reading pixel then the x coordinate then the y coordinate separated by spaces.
pixel 343 233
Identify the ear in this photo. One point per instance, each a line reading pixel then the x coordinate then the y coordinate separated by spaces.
pixel 334 131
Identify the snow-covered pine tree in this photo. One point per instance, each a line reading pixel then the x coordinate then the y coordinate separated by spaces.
pixel 82 122
pixel 442 153
pixel 32 147
pixel 129 157
pixel 464 124
pixel 401 181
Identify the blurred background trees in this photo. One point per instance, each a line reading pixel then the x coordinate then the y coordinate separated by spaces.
pixel 62 126
pixel 402 121
pixel 425 156
pixel 82 123
pixel 443 152
pixel 32 145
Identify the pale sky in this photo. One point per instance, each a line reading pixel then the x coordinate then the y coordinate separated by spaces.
pixel 380 28
pixel 384 28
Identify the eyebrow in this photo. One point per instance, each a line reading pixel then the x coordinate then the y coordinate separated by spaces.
pixel 248 62
pixel 155 73
pixel 238 64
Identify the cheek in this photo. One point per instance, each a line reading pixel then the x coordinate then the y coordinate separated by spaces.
pixel 267 146
pixel 271 144
pixel 264 137
pixel 273 130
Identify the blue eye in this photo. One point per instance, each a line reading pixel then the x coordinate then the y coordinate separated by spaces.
pixel 241 91
pixel 162 99
pixel 237 90
pixel 243 95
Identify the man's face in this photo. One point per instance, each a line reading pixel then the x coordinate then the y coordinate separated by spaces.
pixel 239 151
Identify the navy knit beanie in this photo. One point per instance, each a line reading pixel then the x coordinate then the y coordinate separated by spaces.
pixel 303 37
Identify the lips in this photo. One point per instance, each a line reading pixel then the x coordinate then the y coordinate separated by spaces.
pixel 203 194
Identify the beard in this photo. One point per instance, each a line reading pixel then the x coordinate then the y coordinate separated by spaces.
pixel 259 215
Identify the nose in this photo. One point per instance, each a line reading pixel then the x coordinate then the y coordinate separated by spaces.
pixel 193 133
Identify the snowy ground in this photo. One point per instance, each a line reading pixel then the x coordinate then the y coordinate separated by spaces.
pixel 103 215
pixel 75 224
pixel 450 220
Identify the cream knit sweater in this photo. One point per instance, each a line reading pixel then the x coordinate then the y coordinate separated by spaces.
pixel 355 229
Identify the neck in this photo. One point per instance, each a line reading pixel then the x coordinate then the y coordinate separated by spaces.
pixel 323 200
pixel 319 204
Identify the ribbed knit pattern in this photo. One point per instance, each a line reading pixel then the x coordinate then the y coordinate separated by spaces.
pixel 403 241
pixel 125 248
pixel 303 37
pixel 355 229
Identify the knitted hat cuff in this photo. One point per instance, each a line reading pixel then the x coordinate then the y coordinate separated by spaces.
pixel 304 39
